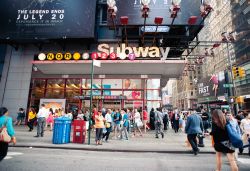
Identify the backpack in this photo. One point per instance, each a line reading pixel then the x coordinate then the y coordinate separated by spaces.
pixel 234 136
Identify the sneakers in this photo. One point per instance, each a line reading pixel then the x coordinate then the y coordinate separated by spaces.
pixel 36 136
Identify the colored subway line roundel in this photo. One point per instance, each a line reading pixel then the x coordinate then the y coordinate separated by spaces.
pixel 83 56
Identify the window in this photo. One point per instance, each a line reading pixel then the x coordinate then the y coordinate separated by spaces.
pixel 192 93
pixel 131 84
pixel 153 83
pixel 112 84
pixel 153 95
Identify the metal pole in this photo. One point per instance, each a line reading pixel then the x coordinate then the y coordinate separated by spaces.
pixel 91 98
pixel 231 75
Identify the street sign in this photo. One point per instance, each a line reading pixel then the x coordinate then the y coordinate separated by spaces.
pixel 227 85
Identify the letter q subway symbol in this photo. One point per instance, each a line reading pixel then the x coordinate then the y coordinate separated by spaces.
pixel 59 56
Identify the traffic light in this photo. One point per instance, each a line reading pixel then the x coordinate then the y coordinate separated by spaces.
pixel 235 72
pixel 242 72
pixel 240 99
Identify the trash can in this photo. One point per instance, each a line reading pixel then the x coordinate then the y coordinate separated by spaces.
pixel 62 128
pixel 79 134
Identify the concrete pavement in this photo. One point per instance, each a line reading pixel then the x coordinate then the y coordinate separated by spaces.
pixel 172 143
pixel 30 159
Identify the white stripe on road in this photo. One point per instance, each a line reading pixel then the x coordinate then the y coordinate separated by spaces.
pixel 244 160
pixel 7 157
pixel 14 154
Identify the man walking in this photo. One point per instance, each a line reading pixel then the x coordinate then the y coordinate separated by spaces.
pixel 158 123
pixel 193 127
pixel 41 120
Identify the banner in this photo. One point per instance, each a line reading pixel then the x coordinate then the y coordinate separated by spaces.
pixel 132 9
pixel 47 19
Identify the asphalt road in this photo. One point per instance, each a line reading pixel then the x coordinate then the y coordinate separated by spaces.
pixel 32 159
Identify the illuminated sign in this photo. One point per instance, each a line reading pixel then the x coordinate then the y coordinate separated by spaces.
pixel 125 51
pixel 105 51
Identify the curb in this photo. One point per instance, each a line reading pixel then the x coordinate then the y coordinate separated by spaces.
pixel 112 150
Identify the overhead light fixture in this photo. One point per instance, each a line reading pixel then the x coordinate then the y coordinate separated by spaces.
pixel 176 2
pixel 145 2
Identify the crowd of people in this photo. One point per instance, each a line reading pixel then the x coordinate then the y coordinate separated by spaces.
pixel 124 124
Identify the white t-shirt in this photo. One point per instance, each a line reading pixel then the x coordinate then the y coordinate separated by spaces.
pixel 137 117
pixel 108 117
pixel 245 124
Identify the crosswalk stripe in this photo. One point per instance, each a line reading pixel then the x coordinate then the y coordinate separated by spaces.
pixel 8 157
pixel 244 161
pixel 14 153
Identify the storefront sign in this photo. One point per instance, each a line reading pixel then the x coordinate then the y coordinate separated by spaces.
pixel 152 52
pixel 105 52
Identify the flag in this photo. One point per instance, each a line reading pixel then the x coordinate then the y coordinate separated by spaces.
pixel 97 63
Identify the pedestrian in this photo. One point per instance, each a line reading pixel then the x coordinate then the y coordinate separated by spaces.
pixel 99 125
pixel 239 117
pixel 205 120
pixel 145 119
pixel 165 119
pixel 124 125
pixel 194 127
pixel 117 121
pixel 20 116
pixel 31 118
pixel 130 120
pixel 176 118
pixel 108 122
pixel 245 127
pixel 138 122
pixel 41 120
pixel 152 119
pixel 6 121
pixel 158 123
pixel 50 119
pixel 221 141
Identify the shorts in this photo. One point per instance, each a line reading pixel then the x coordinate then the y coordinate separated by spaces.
pixel 222 148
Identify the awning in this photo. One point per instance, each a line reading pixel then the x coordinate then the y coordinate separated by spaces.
pixel 169 68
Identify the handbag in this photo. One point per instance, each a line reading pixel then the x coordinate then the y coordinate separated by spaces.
pixel 107 125
pixel 4 136
pixel 234 136
pixel 139 123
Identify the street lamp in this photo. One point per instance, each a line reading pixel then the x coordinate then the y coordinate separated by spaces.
pixel 175 8
pixel 124 22
pixel 145 12
pixel 229 38
pixel 112 10
pixel 158 21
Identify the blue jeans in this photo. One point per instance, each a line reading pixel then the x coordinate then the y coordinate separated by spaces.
pixel 40 126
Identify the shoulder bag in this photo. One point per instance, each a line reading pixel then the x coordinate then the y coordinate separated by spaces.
pixel 4 136
pixel 234 136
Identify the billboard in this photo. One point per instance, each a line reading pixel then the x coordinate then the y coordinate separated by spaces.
pixel 47 19
pixel 212 86
pixel 132 9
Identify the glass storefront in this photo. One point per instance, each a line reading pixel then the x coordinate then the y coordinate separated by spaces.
pixel 107 93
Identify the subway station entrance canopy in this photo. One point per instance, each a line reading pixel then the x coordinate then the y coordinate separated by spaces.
pixel 170 68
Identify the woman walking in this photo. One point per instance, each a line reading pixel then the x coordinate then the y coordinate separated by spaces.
pixel 245 127
pixel 108 122
pixel 50 119
pixel 138 122
pixel 221 141
pixel 31 118
pixel 6 121
pixel 99 125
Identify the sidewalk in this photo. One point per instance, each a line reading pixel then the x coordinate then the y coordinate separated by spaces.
pixel 172 143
